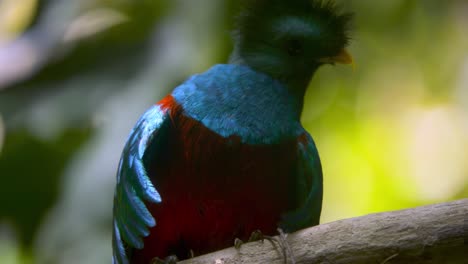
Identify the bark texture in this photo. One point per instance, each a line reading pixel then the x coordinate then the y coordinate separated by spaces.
pixel 429 234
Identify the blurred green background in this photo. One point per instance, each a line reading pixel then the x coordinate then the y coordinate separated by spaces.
pixel 76 75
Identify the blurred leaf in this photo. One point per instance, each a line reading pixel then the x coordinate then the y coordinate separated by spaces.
pixel 2 134
pixel 30 179
pixel 15 16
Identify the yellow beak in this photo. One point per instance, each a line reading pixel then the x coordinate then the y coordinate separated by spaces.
pixel 342 58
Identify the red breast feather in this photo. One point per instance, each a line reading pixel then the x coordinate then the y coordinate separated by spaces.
pixel 214 189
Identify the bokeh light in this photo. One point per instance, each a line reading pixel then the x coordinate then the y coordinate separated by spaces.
pixel 14 17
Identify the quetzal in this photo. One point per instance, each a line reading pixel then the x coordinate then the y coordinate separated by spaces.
pixel 225 153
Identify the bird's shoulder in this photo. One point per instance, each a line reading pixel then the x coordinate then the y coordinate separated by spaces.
pixel 234 100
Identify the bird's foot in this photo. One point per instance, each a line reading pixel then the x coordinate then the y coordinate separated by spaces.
pixel 284 245
pixel 255 236
pixel 172 259
pixel 238 243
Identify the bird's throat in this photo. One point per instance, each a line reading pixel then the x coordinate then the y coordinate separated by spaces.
pixel 296 86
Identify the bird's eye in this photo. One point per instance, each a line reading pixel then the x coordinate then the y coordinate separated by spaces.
pixel 294 47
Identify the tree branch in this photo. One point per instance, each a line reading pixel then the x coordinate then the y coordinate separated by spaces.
pixel 429 234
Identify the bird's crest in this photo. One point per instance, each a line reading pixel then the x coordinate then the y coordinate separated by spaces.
pixel 323 13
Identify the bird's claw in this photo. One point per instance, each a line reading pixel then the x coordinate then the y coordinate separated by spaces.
pixel 287 251
pixel 238 243
pixel 256 236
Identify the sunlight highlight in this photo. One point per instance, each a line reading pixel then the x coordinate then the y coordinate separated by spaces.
pixel 437 152
pixel 14 17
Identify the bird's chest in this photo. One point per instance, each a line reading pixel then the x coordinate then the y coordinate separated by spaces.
pixel 215 189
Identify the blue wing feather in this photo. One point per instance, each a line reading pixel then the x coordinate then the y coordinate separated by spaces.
pixel 309 188
pixel 132 218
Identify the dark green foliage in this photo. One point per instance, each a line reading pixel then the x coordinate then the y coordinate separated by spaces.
pixel 31 169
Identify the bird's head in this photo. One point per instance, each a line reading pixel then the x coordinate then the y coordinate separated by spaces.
pixel 290 39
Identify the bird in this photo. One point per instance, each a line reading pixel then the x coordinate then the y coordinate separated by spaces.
pixel 225 154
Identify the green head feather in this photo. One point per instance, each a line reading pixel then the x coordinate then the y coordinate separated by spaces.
pixel 288 39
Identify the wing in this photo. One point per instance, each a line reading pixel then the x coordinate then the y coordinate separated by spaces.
pixel 309 187
pixel 132 219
